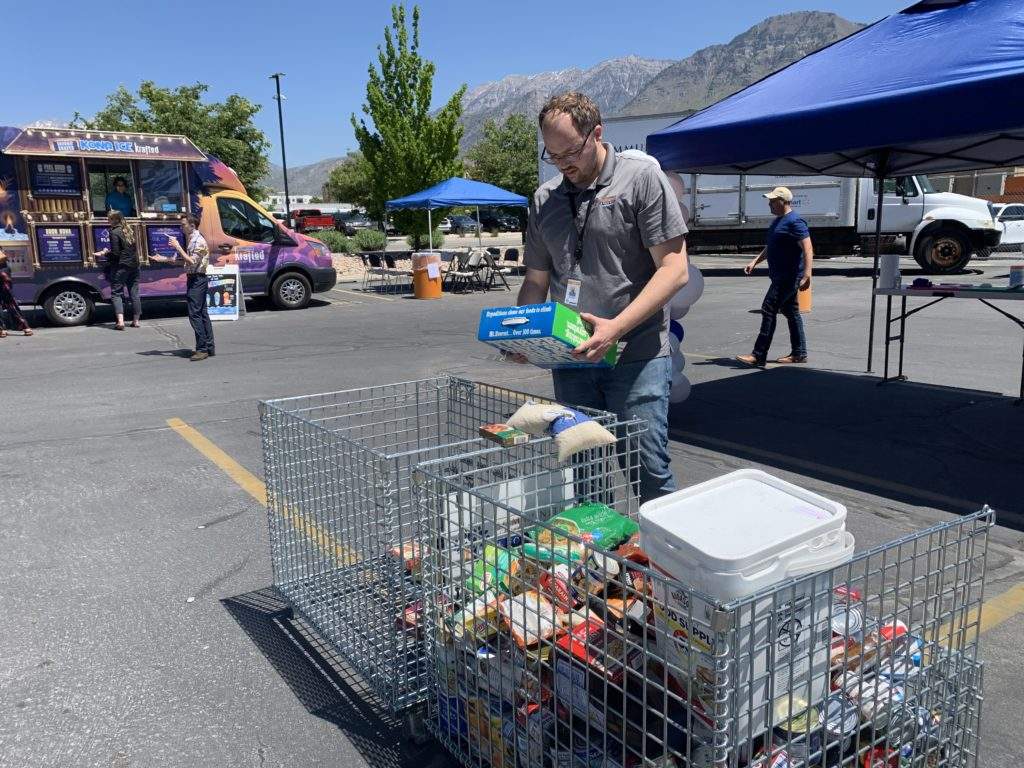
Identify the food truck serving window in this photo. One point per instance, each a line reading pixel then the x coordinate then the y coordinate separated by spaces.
pixel 106 190
pixel 160 182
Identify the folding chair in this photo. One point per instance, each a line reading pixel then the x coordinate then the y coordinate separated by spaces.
pixel 469 275
pixel 456 263
pixel 511 261
pixel 395 272
pixel 495 273
pixel 377 269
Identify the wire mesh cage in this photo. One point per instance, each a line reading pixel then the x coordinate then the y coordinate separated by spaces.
pixel 554 640
pixel 343 530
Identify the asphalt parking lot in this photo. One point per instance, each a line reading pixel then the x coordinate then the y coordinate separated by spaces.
pixel 138 627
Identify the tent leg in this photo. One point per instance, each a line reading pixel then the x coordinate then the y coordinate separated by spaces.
pixel 874 272
pixel 479 234
pixel 430 230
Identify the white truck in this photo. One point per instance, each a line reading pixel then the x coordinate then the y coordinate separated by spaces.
pixel 941 230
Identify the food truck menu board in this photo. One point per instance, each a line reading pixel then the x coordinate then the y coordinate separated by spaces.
pixel 156 240
pixel 223 298
pixel 55 178
pixel 58 244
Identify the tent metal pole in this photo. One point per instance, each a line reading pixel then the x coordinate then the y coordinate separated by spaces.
pixel 430 230
pixel 874 270
pixel 479 234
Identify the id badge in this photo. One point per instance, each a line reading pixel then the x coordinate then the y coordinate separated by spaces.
pixel 572 292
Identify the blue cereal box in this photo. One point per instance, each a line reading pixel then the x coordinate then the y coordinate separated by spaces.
pixel 546 333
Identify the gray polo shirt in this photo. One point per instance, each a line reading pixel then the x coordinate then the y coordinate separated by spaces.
pixel 634 208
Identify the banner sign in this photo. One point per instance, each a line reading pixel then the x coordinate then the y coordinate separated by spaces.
pixel 59 244
pixel 224 292
pixel 55 178
pixel 79 143
pixel 156 240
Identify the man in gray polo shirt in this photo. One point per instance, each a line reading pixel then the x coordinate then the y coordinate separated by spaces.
pixel 606 238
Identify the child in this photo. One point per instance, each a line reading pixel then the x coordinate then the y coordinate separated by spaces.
pixel 7 301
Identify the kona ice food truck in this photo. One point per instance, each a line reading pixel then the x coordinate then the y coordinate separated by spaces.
pixel 57 187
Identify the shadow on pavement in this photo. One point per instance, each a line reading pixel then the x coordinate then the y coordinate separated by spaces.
pixel 942 447
pixel 325 686
pixel 824 269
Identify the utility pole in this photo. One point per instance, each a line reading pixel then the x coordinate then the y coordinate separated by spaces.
pixel 276 77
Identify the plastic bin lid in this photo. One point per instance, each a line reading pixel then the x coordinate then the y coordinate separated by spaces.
pixel 739 520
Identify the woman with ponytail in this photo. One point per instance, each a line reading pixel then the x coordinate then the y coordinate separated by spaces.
pixel 123 264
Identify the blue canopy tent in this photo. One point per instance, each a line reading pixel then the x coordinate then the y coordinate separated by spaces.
pixel 934 88
pixel 457 191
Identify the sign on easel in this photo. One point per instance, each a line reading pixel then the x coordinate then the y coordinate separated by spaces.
pixel 224 298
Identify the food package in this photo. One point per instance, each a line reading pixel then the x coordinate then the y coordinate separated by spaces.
pixel 598 525
pixel 410 553
pixel 493 569
pixel 504 435
pixel 573 431
pixel 546 333
pixel 530 618
pixel 477 622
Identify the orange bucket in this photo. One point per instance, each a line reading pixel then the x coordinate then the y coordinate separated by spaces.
pixel 423 285
pixel 805 299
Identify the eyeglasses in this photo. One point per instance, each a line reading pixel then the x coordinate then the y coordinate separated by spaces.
pixel 565 156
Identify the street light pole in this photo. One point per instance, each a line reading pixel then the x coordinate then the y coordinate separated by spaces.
pixel 276 77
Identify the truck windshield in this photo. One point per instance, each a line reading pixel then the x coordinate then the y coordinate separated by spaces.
pixel 925 183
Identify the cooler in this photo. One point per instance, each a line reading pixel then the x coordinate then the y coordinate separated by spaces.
pixel 730 538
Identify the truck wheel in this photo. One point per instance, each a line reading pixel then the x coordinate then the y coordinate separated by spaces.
pixel 943 252
pixel 292 290
pixel 68 306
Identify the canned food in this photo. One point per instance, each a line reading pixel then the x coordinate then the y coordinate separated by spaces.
pixel 798 732
pixel 773 757
pixel 847 622
pixel 840 718
pixel 921 734
pixel 844 594
pixel 877 698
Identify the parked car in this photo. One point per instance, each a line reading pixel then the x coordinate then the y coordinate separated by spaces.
pixel 499 221
pixel 311 220
pixel 445 225
pixel 351 222
pixel 1011 215
pixel 463 225
pixel 279 215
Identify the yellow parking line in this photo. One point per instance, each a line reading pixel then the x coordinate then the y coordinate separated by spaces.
pixel 252 485
pixel 1000 608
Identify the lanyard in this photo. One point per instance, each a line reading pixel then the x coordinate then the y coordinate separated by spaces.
pixel 577 252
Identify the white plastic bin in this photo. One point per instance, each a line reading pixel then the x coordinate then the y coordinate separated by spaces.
pixel 728 538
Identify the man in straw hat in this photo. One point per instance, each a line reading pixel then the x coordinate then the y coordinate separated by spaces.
pixel 789 254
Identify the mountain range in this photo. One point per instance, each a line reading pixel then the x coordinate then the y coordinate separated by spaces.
pixel 632 85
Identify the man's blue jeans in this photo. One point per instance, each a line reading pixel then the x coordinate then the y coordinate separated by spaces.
pixel 636 390
pixel 781 298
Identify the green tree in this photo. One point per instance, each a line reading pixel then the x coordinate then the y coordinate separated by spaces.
pixel 351 181
pixel 506 156
pixel 223 128
pixel 407 146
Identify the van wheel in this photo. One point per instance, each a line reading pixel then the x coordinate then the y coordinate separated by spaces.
pixel 943 252
pixel 292 290
pixel 69 306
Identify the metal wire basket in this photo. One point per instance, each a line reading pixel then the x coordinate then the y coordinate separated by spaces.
pixel 344 535
pixel 577 650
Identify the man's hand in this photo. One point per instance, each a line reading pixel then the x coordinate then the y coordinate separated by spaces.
pixel 605 333
pixel 173 242
pixel 749 269
pixel 805 282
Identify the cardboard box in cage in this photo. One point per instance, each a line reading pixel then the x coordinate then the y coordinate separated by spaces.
pixel 546 333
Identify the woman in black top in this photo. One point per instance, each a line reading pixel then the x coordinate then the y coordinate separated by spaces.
pixel 123 263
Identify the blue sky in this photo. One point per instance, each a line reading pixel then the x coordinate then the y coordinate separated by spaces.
pixel 65 56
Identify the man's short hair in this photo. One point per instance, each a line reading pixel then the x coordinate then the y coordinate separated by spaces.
pixel 191 220
pixel 580 108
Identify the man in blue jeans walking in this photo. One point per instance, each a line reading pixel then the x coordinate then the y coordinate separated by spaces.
pixel 607 239
pixel 790 255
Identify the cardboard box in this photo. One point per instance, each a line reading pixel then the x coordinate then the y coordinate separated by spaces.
pixel 546 333
pixel 504 435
